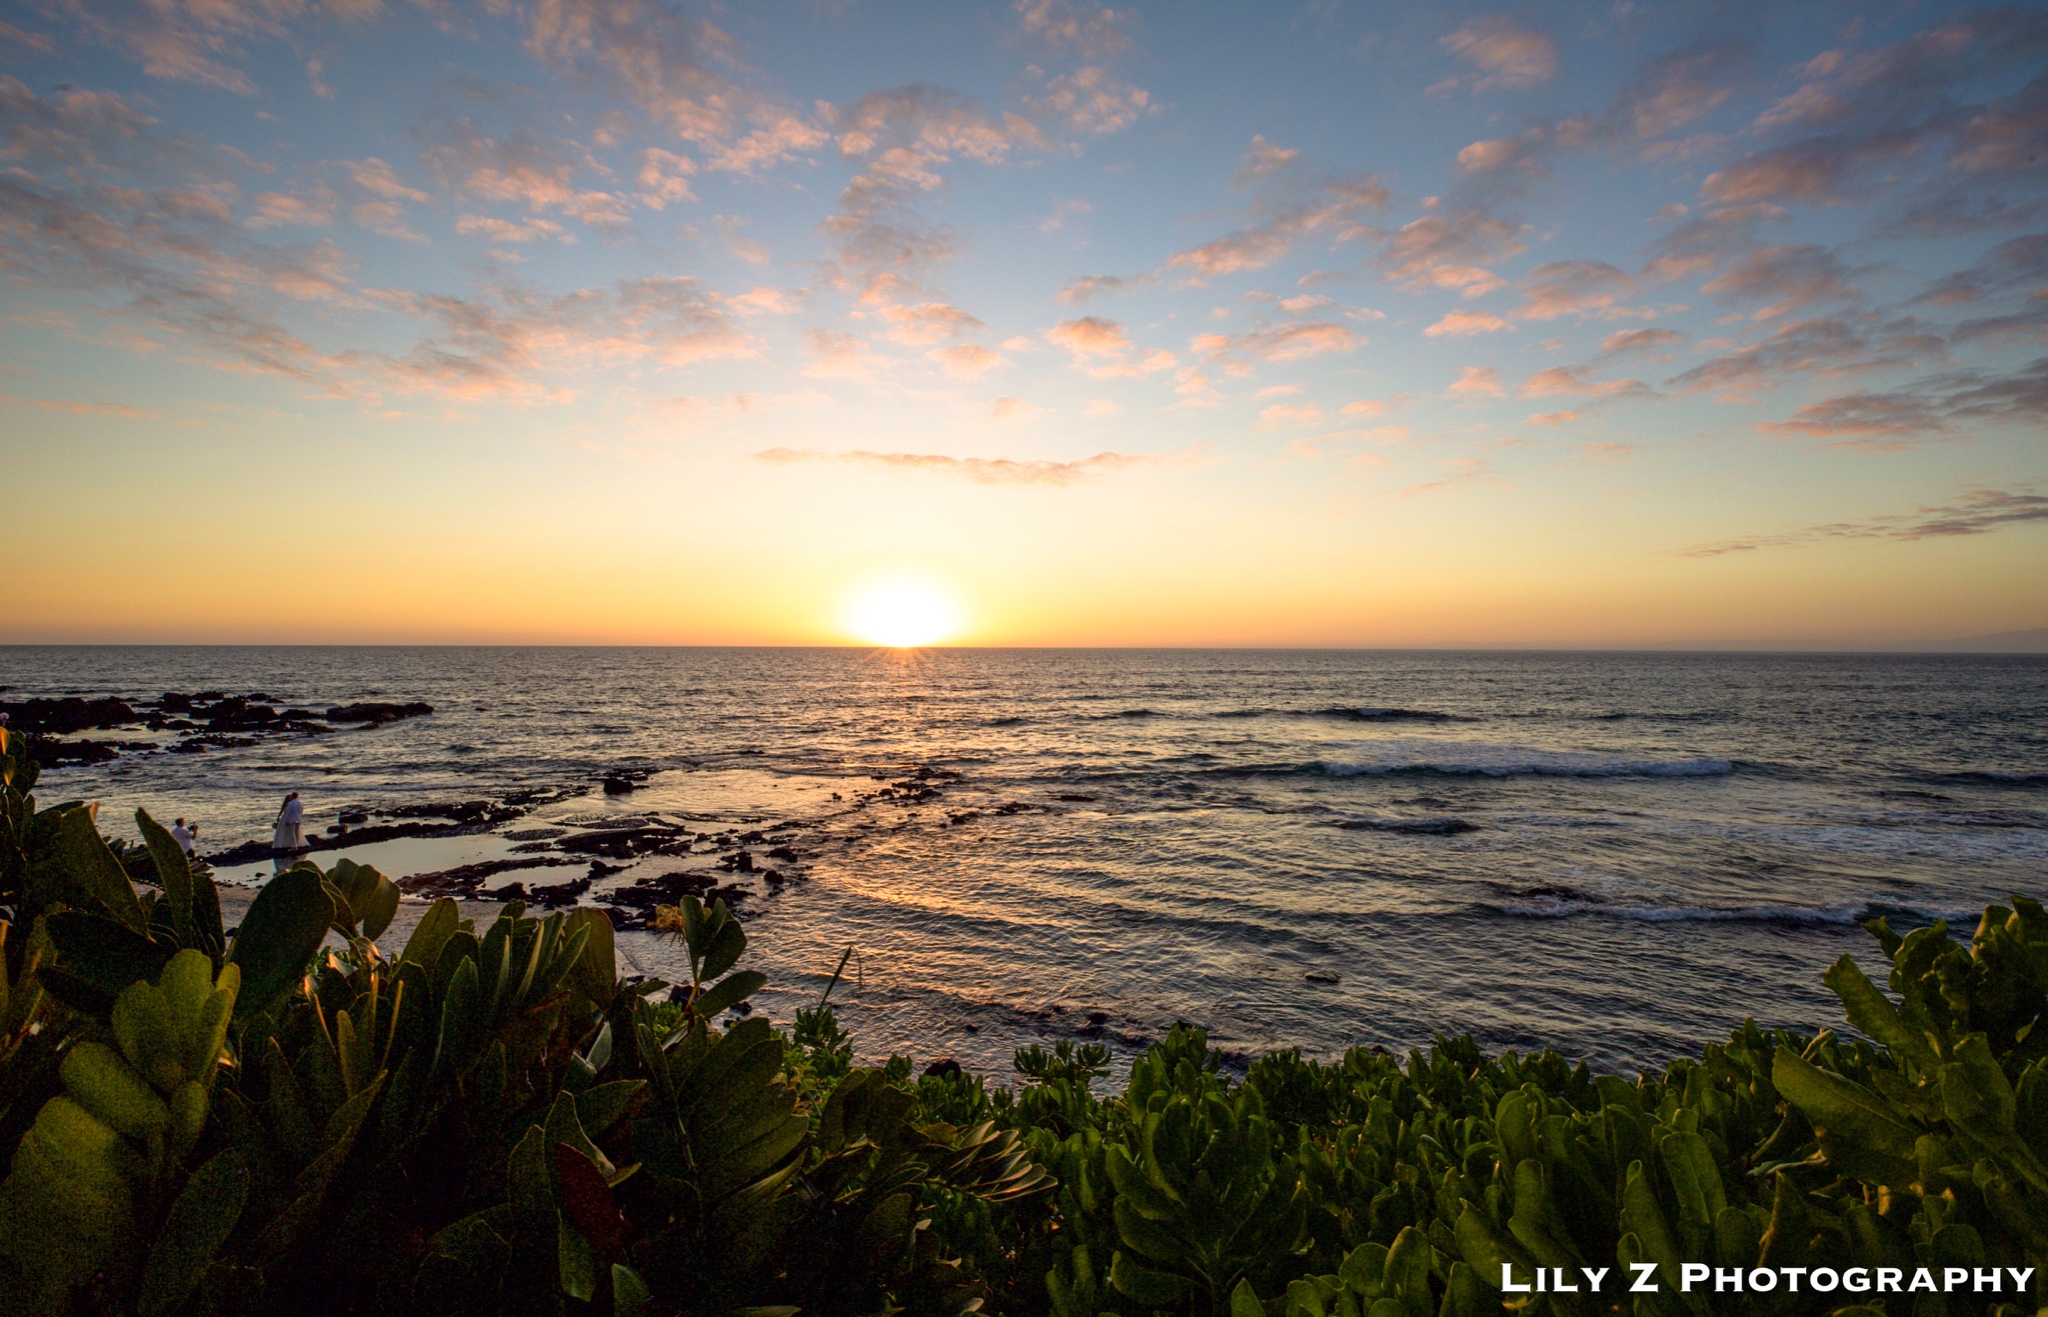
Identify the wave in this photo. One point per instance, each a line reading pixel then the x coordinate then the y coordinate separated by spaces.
pixel 1988 778
pixel 1468 759
pixel 1443 827
pixel 1564 903
pixel 1376 715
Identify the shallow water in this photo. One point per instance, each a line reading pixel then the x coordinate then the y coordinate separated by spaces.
pixel 1619 855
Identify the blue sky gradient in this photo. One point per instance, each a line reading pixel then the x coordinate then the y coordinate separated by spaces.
pixel 1618 324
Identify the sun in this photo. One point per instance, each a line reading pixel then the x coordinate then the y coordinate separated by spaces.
pixel 902 613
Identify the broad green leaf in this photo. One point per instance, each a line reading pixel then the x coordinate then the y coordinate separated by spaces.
pixel 200 1221
pixel 279 933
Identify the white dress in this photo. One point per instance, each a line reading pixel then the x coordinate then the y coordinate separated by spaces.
pixel 289 836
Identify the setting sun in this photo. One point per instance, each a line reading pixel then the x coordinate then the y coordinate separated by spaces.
pixel 902 613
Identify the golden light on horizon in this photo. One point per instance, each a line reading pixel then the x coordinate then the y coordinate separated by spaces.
pixel 903 612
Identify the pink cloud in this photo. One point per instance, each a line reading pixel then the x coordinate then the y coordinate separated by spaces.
pixel 1462 324
pixel 980 470
pixel 1505 54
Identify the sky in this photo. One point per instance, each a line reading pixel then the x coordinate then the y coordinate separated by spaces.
pixel 1706 324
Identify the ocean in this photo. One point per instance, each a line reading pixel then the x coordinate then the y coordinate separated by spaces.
pixel 1617 855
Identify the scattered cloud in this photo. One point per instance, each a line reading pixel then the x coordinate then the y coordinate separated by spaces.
pixel 1476 382
pixel 1289 342
pixel 1505 54
pixel 1282 217
pixel 1463 324
pixel 1100 347
pixel 1078 292
pixel 966 361
pixel 1977 511
pixel 1572 381
pixel 980 470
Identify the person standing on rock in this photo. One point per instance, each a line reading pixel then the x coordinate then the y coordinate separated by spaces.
pixel 184 836
pixel 289 835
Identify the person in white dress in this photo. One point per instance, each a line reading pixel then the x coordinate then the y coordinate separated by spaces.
pixel 289 835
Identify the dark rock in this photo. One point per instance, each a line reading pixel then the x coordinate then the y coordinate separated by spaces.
pixel 620 786
pixel 945 1065
pixel 61 717
pixel 466 881
pixel 376 715
pixel 782 853
pixel 63 754
pixel 669 888
pixel 1321 976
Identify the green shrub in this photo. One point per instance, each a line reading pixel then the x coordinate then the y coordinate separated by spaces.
pixel 490 1122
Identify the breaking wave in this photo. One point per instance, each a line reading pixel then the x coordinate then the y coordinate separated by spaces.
pixel 1465 759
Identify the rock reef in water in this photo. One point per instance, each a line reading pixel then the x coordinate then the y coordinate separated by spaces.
pixel 202 721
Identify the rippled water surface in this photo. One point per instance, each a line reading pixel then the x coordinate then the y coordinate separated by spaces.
pixel 1619 855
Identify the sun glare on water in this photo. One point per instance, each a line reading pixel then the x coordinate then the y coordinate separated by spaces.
pixel 902 613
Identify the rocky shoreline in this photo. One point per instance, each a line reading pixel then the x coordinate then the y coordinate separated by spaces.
pixel 195 723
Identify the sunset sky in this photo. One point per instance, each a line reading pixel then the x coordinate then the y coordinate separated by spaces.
pixel 1618 324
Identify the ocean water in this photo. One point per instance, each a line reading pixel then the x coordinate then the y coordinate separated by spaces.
pixel 1619 855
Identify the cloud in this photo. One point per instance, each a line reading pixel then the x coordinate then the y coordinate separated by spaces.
pixel 927 323
pixel 1821 346
pixel 1281 414
pixel 966 361
pixel 2015 263
pixel 838 356
pixel 380 180
pixel 1450 251
pixel 664 179
pixel 1100 347
pixel 1089 336
pixel 386 219
pixel 903 138
pixel 1091 102
pixel 1289 342
pixel 1786 279
pixel 1624 341
pixel 1462 324
pixel 502 347
pixel 2008 136
pixel 1262 160
pixel 1063 25
pixel 540 175
pixel 1929 408
pixel 121 411
pixel 1677 88
pixel 664 60
pixel 1860 116
pixel 74 129
pixel 1978 511
pixel 1578 287
pixel 278 209
pixel 1505 54
pixel 1815 170
pixel 1460 471
pixel 1194 388
pixel 980 470
pixel 1552 418
pixel 1078 292
pixel 1335 207
pixel 1571 381
pixel 1476 382
pixel 498 230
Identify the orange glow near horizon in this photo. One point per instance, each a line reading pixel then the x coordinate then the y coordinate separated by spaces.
pixel 902 612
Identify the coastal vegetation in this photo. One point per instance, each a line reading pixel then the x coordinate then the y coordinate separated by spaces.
pixel 294 1116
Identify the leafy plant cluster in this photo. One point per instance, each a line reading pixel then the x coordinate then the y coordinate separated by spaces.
pixel 289 1118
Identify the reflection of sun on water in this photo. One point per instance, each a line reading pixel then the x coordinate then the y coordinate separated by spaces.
pixel 902 613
